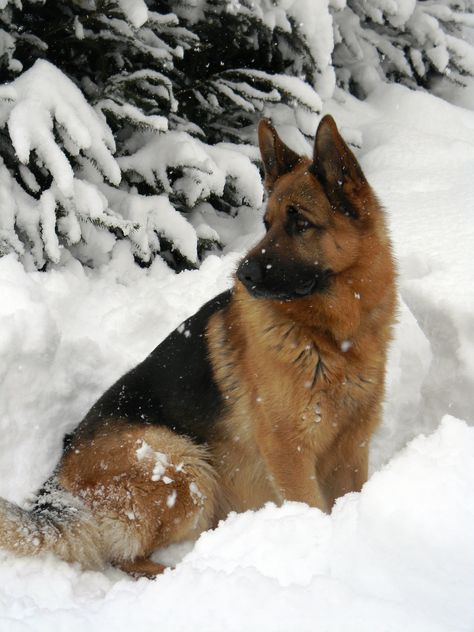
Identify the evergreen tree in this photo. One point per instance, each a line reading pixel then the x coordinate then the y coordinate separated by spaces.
pixel 404 41
pixel 151 86
pixel 133 120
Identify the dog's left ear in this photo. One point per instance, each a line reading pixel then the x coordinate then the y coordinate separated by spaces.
pixel 277 157
pixel 336 167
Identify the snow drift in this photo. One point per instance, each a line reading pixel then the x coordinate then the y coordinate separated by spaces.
pixel 400 555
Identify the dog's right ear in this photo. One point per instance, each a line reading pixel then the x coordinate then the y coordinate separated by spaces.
pixel 337 168
pixel 277 158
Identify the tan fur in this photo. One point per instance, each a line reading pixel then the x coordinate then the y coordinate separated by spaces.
pixel 75 536
pixel 306 376
pixel 130 491
pixel 303 381
pixel 146 486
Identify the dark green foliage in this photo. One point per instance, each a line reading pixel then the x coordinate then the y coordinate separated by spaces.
pixel 198 74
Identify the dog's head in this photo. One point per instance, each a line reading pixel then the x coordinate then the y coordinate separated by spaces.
pixel 316 212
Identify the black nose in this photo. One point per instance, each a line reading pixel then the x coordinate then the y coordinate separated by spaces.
pixel 249 272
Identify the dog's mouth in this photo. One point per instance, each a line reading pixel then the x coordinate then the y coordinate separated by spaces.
pixel 281 295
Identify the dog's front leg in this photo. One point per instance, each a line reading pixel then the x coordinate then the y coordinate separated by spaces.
pixel 344 469
pixel 291 469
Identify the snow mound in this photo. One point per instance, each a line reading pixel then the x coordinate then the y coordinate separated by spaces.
pixel 397 556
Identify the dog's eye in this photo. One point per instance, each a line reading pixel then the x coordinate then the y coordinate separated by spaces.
pixel 296 221
pixel 302 224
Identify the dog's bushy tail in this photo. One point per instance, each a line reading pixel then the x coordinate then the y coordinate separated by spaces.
pixel 58 523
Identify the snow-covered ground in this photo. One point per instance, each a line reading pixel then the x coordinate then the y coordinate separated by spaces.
pixel 397 556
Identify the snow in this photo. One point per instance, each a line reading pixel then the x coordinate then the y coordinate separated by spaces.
pixel 82 212
pixel 161 461
pixel 205 168
pixel 31 108
pixel 126 110
pixel 38 106
pixel 302 92
pixel 372 565
pixel 154 215
pixel 397 556
pixel 135 11
pixel 315 22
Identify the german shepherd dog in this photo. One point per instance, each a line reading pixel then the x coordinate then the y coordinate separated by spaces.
pixel 270 392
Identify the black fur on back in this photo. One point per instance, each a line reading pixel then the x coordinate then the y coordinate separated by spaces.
pixel 173 387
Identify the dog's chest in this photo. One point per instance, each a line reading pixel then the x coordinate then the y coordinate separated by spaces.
pixel 275 373
pixel 302 381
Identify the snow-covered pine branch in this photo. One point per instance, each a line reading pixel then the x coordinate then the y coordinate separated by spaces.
pixel 44 110
pixel 97 91
pixel 190 171
pixel 53 131
pixel 55 135
pixel 144 93
pixel 254 59
pixel 69 178
pixel 403 41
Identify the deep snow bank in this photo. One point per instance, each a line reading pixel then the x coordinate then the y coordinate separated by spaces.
pixel 398 556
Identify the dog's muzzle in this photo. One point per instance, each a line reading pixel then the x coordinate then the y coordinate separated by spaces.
pixel 284 282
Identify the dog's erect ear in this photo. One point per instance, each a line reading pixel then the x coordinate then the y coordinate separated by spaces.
pixel 276 156
pixel 336 167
